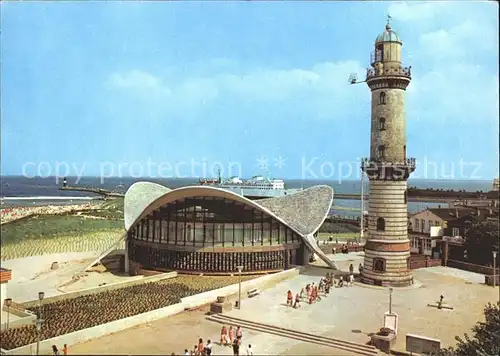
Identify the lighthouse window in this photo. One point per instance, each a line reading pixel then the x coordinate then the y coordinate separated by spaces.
pixel 382 98
pixel 380 224
pixel 381 124
pixel 381 152
pixel 379 265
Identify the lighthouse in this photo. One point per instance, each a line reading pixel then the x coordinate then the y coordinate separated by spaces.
pixel 387 248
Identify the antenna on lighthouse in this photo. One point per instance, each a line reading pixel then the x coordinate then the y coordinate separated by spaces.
pixel 353 79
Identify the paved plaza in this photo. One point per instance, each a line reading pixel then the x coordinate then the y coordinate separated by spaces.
pixel 349 313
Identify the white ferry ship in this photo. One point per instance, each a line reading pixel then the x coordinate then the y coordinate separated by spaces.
pixel 255 188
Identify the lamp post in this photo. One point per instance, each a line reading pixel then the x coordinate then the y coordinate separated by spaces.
pixel 38 325
pixel 494 268
pixel 41 295
pixel 8 303
pixel 240 268
pixel 390 300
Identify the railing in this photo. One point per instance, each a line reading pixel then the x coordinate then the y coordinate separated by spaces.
pixel 472 267
pixel 368 163
pixel 397 72
pixel 454 239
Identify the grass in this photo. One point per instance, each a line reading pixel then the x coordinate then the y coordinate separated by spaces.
pixel 43 227
pixel 46 234
pixel 97 241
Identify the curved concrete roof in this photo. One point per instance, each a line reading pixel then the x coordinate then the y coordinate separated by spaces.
pixel 304 212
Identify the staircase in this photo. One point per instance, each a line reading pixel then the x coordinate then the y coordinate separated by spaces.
pixel 353 347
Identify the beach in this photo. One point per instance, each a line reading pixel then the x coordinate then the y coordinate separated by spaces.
pixel 13 213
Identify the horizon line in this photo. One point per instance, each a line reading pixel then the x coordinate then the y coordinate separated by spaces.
pixel 302 179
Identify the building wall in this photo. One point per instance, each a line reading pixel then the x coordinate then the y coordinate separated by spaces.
pixel 387 250
pixel 387 202
pixel 391 245
pixel 421 222
pixel 3 294
pixel 394 135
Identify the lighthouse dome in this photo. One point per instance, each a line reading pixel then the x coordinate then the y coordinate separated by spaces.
pixel 388 35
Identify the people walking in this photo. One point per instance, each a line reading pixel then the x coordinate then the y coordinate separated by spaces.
pixel 289 298
pixel 201 347
pixel 236 347
pixel 231 335
pixel 223 335
pixel 208 348
pixel 249 350
pixel 297 301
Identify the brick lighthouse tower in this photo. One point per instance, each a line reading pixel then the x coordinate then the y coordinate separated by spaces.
pixel 387 249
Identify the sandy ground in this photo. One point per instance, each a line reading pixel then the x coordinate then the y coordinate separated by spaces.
pixel 31 275
pixel 347 313
pixel 95 279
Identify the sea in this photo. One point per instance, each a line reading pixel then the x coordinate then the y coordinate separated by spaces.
pixel 39 191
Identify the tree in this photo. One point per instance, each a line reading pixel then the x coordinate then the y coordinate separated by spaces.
pixel 481 240
pixel 486 336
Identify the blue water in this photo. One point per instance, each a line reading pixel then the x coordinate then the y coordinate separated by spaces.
pixel 12 186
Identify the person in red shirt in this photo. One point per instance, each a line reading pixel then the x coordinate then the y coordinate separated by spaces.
pixel 289 298
pixel 223 335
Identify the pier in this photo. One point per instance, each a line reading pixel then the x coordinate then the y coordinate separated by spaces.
pixel 104 192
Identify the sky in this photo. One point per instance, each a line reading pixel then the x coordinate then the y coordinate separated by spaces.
pixel 166 89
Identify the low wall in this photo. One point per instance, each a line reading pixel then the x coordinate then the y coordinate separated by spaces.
pixel 488 280
pixel 425 263
pixel 198 300
pixel 24 317
pixel 338 248
pixel 471 267
pixel 93 290
pixel 96 331
pixel 122 324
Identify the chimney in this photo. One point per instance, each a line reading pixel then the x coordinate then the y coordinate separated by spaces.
pixel 456 213
pixel 478 211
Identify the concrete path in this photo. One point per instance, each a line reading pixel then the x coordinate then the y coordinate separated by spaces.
pixel 349 313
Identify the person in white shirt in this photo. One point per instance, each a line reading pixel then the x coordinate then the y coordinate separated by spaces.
pixel 249 350
pixel 186 352
pixel 208 348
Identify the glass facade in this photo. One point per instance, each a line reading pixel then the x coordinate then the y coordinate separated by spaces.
pixel 176 237
pixel 202 222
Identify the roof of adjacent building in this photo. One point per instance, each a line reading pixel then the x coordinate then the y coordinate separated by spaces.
pixel 388 35
pixel 304 211
pixel 449 214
